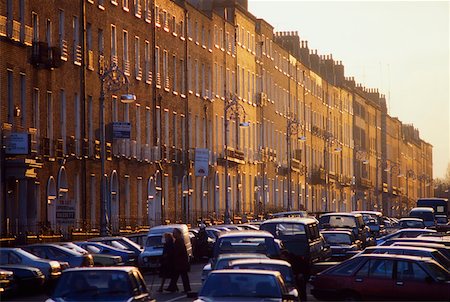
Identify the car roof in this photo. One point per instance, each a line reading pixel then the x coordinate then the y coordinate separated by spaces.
pixel 411 218
pixel 300 220
pixel 397 257
pixel 168 226
pixel 106 238
pixel 241 255
pixel 337 232
pixel 422 209
pixel 245 233
pixel 397 247
pixel 341 214
pixel 105 268
pixel 368 212
pixel 55 245
pixel 416 230
pixel 261 261
pixel 246 271
pixel 431 244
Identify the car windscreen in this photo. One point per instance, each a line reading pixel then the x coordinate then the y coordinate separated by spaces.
pixel 411 224
pixel 338 221
pixel 337 238
pixel 286 271
pixel 426 216
pixel 98 285
pixel 155 241
pixel 261 245
pixel 241 285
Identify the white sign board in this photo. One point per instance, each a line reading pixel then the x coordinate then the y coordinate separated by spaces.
pixel 201 162
pixel 17 143
pixel 121 130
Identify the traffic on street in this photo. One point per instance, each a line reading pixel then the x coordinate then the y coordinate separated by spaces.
pixel 295 256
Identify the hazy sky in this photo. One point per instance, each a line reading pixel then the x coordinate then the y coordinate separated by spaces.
pixel 400 47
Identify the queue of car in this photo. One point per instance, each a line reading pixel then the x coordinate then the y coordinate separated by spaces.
pixel 342 255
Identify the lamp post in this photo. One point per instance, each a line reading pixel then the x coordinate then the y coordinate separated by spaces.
pixel 293 127
pixel 235 109
pixel 111 80
pixel 409 174
pixel 390 169
pixel 329 142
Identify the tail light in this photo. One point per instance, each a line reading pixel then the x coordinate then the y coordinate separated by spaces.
pixel 88 261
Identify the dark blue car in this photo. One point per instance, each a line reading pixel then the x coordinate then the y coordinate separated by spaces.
pixel 60 253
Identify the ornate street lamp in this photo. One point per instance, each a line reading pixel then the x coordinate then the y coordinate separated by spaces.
pixel 293 128
pixel 111 80
pixel 232 110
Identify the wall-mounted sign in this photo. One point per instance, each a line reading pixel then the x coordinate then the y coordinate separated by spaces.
pixel 65 212
pixel 121 130
pixel 201 162
pixel 17 143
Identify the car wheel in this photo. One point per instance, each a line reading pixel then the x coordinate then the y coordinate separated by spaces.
pixel 350 296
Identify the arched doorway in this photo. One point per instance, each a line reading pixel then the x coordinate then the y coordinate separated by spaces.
pixel 185 198
pixel 51 202
pixel 114 204
pixel 204 192
pixel 151 207
pixel 65 216
pixel 216 194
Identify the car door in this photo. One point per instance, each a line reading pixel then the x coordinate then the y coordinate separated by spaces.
pixel 411 284
pixel 374 280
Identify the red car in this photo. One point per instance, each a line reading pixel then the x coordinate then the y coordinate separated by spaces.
pixel 383 277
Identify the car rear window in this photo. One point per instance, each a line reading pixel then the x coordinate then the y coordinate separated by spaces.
pixel 261 245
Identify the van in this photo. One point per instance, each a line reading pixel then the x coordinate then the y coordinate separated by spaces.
pixel 150 258
pixel 427 214
pixel 301 240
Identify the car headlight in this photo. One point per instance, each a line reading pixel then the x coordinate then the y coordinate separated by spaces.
pixel 54 265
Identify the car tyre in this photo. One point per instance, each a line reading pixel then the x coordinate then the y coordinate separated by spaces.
pixel 350 296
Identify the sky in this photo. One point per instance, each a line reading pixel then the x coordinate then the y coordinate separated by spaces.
pixel 400 47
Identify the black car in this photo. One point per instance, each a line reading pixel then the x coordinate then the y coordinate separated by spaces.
pixel 351 221
pixel 301 239
pixel 101 284
pixel 27 279
pixel 342 242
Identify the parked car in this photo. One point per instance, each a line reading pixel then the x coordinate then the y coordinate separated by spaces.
pixel 411 223
pixel 441 220
pixel 341 243
pixel 101 284
pixel 60 253
pixel 121 243
pixel 427 214
pixel 150 258
pixel 383 277
pixel 410 251
pixel 248 227
pixel 99 259
pixel 374 220
pixel 244 285
pixel 50 268
pixel 27 279
pixel 403 233
pixel 351 221
pixel 301 238
pixel 292 283
pixel 261 242
pixel 445 250
pixel 6 281
pixel 223 260
pixel 438 240
pixel 128 257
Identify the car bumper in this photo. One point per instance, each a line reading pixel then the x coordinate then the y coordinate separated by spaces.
pixel 150 262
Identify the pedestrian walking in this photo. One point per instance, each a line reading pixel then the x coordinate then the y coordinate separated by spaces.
pixel 167 269
pixel 181 263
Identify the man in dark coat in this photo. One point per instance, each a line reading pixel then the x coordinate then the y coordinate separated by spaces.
pixel 167 260
pixel 181 263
